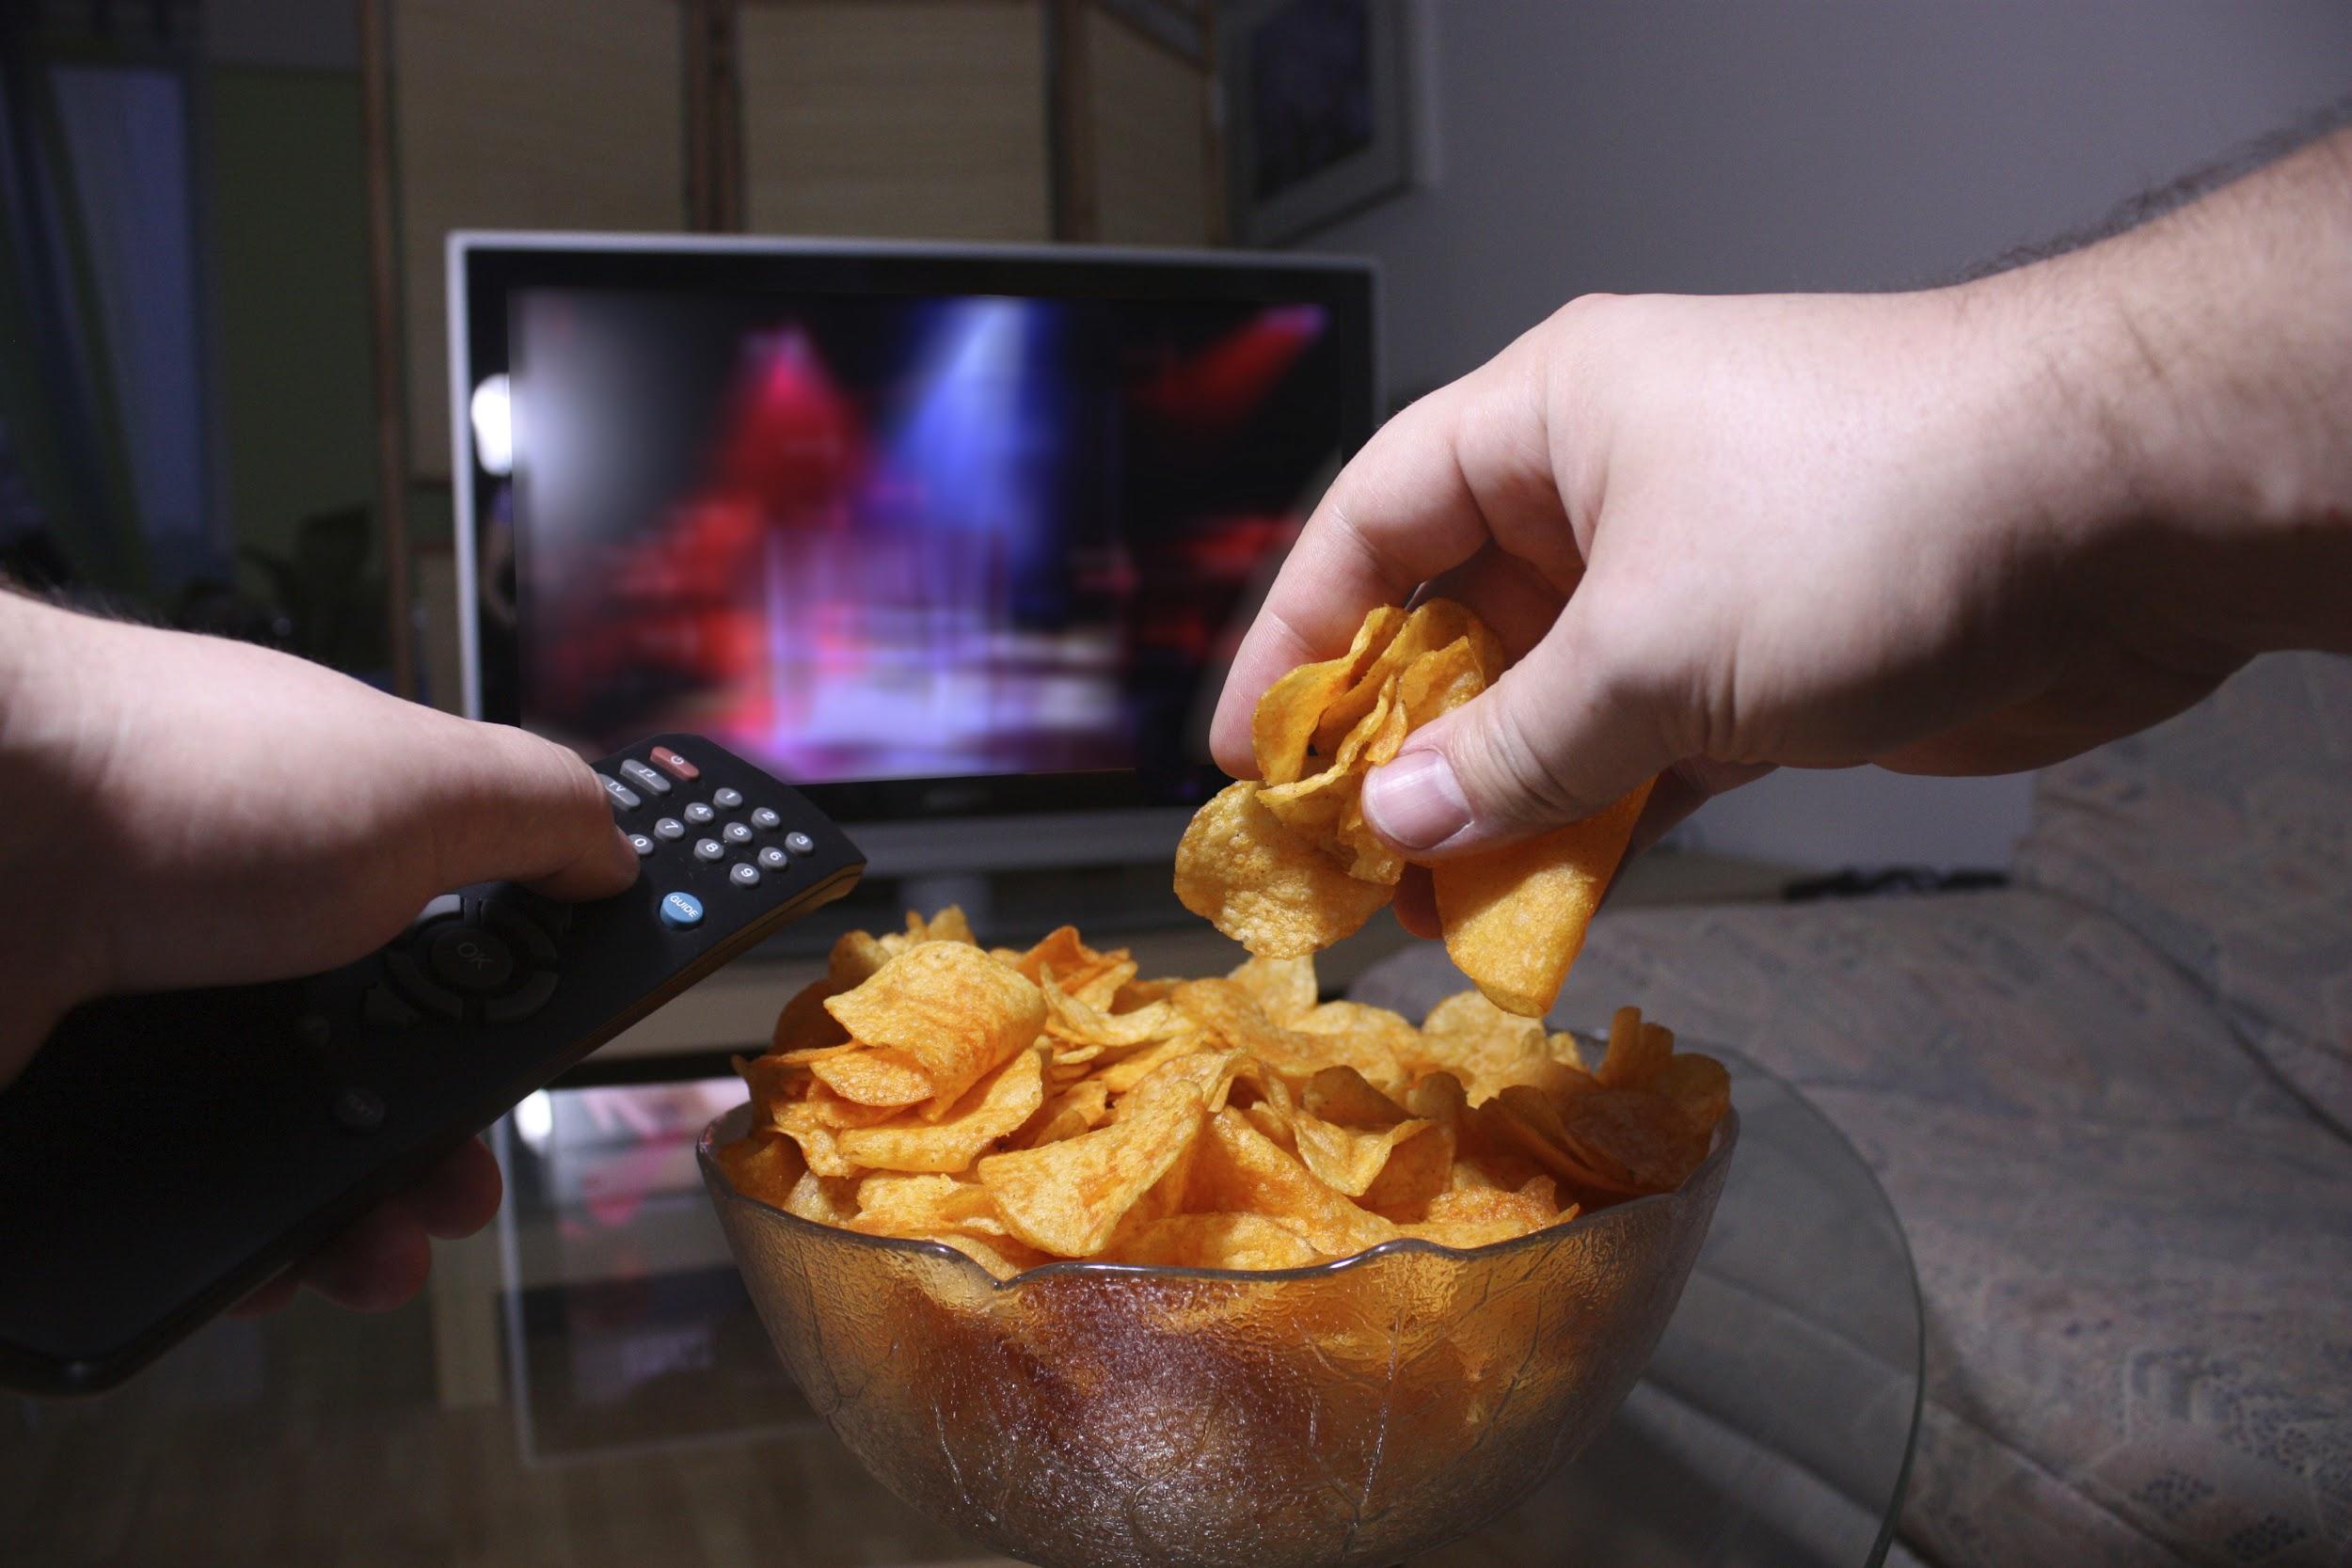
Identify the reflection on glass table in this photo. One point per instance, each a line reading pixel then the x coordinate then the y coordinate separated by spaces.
pixel 588 1385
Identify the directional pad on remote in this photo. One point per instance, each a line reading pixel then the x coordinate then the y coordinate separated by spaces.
pixel 469 960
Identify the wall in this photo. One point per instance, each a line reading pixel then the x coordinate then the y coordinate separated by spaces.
pixel 1717 148
pixel 289 215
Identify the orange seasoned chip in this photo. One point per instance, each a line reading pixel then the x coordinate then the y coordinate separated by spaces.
pixel 1515 918
pixel 823 1199
pixel 1698 1086
pixel 1283 989
pixel 1080 1108
pixel 1243 870
pixel 1373 1040
pixel 1219 1242
pixel 1346 1097
pixel 1284 726
pixel 1067 1197
pixel 1641 1138
pixel 1480 1044
pixel 1431 625
pixel 992 1109
pixel 804 1024
pixel 874 1075
pixel 1235 1122
pixel 951 1007
pixel 1242 1170
pixel 893 1204
pixel 1637 1052
pixel 1347 1159
pixel 1418 1169
pixel 854 961
pixel 764 1165
pixel 1000 1256
pixel 1483 1216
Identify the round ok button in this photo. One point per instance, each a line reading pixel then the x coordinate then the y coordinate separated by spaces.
pixel 468 959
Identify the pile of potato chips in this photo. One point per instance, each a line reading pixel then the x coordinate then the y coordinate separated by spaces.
pixel 1285 864
pixel 1028 1107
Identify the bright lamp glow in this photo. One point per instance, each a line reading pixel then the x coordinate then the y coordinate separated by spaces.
pixel 493 412
pixel 534 1118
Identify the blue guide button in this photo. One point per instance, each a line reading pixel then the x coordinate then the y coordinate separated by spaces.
pixel 681 910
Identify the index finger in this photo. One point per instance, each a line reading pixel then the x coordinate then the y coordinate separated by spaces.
pixel 1467 464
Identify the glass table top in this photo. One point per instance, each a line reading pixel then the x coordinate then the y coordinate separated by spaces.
pixel 587 1384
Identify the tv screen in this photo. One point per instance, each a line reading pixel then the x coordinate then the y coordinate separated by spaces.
pixel 966 534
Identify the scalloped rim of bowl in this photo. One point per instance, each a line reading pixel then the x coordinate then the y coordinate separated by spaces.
pixel 1726 1136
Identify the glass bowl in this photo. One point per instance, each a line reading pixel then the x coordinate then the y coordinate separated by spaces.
pixel 1090 1414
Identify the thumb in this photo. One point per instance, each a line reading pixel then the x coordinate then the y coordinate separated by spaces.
pixel 506 805
pixel 1559 737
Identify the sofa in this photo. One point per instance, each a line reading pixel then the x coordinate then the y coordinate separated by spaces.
pixel 2112 1104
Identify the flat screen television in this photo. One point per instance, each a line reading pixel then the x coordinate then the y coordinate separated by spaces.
pixel 958 538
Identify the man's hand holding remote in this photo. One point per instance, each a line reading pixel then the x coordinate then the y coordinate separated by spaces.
pixel 181 811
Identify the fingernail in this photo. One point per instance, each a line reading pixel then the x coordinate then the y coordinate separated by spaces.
pixel 1415 801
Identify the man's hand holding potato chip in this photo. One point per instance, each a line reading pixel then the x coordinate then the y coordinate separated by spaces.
pixel 1972 529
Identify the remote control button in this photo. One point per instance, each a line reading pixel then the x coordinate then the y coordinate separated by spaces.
pixel 469 959
pixel 447 907
pixel 313 1030
pixel 675 765
pixel 643 845
pixel 681 910
pixel 622 794
pixel 358 1110
pixel 774 858
pixel 669 826
pixel 523 1001
pixel 727 800
pixel 380 1009
pixel 699 813
pixel 765 820
pixel 644 778
pixel 709 850
pixel 520 930
pixel 743 874
pixel 737 833
pixel 799 844
pixel 423 992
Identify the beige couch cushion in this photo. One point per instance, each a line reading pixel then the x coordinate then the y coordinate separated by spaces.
pixel 2224 838
pixel 2134 1247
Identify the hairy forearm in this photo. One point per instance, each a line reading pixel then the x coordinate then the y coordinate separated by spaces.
pixel 2211 352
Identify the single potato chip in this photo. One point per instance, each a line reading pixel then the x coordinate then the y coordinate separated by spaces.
pixel 874 1075
pixel 1244 1171
pixel 804 1024
pixel 1283 989
pixel 1260 883
pixel 1283 725
pixel 992 1109
pixel 1347 1159
pixel 1067 1197
pixel 1515 918
pixel 951 1007
pixel 1219 1242
pixel 766 1166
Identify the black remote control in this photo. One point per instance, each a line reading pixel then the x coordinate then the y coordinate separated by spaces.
pixel 165 1155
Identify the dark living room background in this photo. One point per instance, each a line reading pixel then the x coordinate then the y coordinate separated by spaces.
pixel 224 374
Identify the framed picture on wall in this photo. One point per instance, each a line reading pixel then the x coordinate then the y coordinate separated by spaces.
pixel 1316 109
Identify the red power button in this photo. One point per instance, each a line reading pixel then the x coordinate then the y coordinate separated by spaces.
pixel 675 765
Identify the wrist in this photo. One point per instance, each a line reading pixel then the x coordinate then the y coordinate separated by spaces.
pixel 2200 369
pixel 51 958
